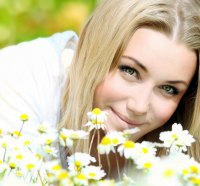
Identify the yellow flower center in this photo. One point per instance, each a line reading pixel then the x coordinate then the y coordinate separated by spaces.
pixel 195 180
pixel 16 148
pixel 194 169
pixel 63 175
pixel 4 144
pixel 168 173
pixel 19 173
pixel 78 165
pixel 48 141
pixel 92 174
pixel 96 111
pixel 30 166
pixel 63 136
pixel 19 156
pixel 12 165
pixel 42 129
pixel 97 122
pixel 27 143
pixel 129 144
pixel 106 141
pixel 145 150
pixel 74 136
pixel 48 150
pixel 185 171
pixel 148 165
pixel 24 117
pixel 175 136
pixel 38 156
pixel 16 133
pixel 81 176
pixel 115 141
pixel 56 167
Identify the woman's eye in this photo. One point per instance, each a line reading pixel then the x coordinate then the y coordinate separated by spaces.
pixel 170 89
pixel 129 70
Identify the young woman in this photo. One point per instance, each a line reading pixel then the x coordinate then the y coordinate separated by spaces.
pixel 139 61
pixel 136 59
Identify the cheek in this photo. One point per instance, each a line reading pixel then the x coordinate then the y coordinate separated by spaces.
pixel 163 113
pixel 108 91
pixel 104 93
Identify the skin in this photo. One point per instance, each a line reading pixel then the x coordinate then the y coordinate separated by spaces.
pixel 145 89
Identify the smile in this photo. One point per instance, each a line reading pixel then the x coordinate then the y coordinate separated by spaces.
pixel 125 119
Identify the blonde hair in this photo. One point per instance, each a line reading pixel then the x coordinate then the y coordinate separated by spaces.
pixel 102 42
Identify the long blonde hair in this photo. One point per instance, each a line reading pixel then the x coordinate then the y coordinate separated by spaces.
pixel 102 42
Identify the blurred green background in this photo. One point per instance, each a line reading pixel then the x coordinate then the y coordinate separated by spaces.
pixel 22 20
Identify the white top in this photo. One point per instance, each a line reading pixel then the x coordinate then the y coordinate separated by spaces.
pixel 32 75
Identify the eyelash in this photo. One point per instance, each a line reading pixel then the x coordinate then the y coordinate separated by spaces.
pixel 172 91
pixel 129 70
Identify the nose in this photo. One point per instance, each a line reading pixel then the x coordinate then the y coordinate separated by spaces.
pixel 139 101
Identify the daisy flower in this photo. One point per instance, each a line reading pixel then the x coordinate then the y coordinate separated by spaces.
pixel 47 138
pixel 111 140
pixel 129 132
pixel 128 149
pixel 165 172
pixel 93 172
pixel 106 183
pixel 50 150
pixel 53 168
pixel 96 119
pixel 24 117
pixel 16 134
pixel 42 128
pixel 78 160
pixel 177 139
pixel 146 162
pixel 146 148
pixel 63 178
pixel 13 163
pixel 30 162
pixel 26 142
pixel 46 127
pixel 81 179
pixel 189 168
pixel 116 137
pixel 68 136
pixel 106 146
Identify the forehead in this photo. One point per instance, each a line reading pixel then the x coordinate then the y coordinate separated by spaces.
pixel 161 55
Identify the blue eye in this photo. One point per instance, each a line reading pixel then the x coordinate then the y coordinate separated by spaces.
pixel 129 70
pixel 170 89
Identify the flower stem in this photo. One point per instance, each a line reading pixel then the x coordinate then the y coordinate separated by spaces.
pixel 91 142
pixel 109 167
pixel 40 178
pixel 21 129
pixel 4 156
pixel 117 162
pixel 99 158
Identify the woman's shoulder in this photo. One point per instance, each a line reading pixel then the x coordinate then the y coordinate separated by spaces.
pixel 56 42
pixel 31 74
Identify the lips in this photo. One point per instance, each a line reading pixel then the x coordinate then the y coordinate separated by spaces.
pixel 125 119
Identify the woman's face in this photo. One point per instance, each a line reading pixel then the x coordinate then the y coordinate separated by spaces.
pixel 153 74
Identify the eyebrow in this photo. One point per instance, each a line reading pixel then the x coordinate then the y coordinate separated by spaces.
pixel 145 69
pixel 178 82
pixel 137 62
